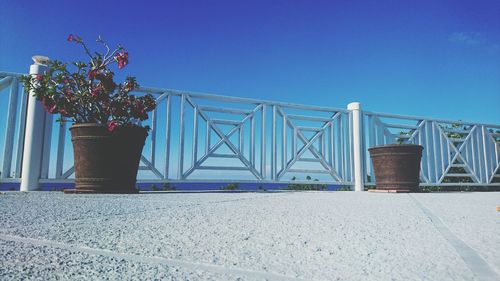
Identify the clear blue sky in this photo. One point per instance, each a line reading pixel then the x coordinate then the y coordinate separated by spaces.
pixel 429 58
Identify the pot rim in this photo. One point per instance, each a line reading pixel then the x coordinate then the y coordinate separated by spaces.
pixel 395 145
pixel 89 125
pixel 83 125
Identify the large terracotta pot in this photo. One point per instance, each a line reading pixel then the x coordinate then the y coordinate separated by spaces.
pixel 397 166
pixel 106 162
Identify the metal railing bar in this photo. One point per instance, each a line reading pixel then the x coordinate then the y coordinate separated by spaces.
pixel 207 136
pixel 20 143
pixel 480 155
pixel 307 160
pixel 427 149
pixel 273 144
pixel 225 110
pixel 308 118
pixel 153 136
pixel 194 152
pixel 332 147
pixel 312 171
pixel 420 118
pixel 284 146
pixel 60 149
pixel 225 122
pixel 435 154
pixel 12 74
pixel 151 167
pixel 10 128
pixel 341 147
pixel 485 151
pixel 238 99
pixel 161 98
pixel 263 155
pixel 47 135
pixel 441 149
pixel 252 140
pixel 311 129
pixel 219 155
pixel 417 131
pixel 68 172
pixel 242 139
pixel 5 82
pixel 224 168
pixel 167 137
pixel 180 173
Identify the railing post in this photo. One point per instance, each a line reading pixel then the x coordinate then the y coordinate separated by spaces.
pixel 355 110
pixel 34 134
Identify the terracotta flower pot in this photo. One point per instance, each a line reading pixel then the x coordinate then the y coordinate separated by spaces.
pixel 397 166
pixel 106 162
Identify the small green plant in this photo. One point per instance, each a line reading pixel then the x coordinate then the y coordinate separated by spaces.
pixel 164 187
pixel 306 186
pixel 345 188
pixel 168 187
pixel 403 136
pixel 462 188
pixel 231 186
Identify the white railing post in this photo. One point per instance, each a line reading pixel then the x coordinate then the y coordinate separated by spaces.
pixel 34 134
pixel 355 109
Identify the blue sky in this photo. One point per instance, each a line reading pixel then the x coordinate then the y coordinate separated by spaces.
pixel 428 58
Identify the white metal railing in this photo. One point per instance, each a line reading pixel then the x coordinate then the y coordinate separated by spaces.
pixel 250 132
pixel 205 137
pixel 455 152
pixel 14 108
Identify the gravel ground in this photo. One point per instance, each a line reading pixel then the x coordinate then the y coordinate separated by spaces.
pixel 250 236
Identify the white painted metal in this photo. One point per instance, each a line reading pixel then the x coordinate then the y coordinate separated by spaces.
pixel 355 108
pixel 10 127
pixel 34 135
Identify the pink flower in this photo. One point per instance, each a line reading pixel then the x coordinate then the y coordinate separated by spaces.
pixel 122 59
pixel 71 37
pixel 112 125
pixel 96 91
pixel 63 112
pixel 92 74
pixel 38 77
pixel 52 109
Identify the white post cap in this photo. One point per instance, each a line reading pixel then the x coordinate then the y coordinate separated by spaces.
pixel 354 106
pixel 40 60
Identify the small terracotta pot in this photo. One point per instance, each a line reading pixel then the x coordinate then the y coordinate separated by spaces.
pixel 397 166
pixel 106 162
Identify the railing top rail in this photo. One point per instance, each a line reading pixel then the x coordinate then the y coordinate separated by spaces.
pixel 7 74
pixel 238 99
pixel 407 117
pixel 224 98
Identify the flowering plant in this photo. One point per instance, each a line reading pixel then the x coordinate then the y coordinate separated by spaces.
pixel 89 94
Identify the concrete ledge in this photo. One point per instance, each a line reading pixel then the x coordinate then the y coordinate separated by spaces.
pixel 389 190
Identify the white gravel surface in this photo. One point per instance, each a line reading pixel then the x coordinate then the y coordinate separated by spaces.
pixel 250 236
